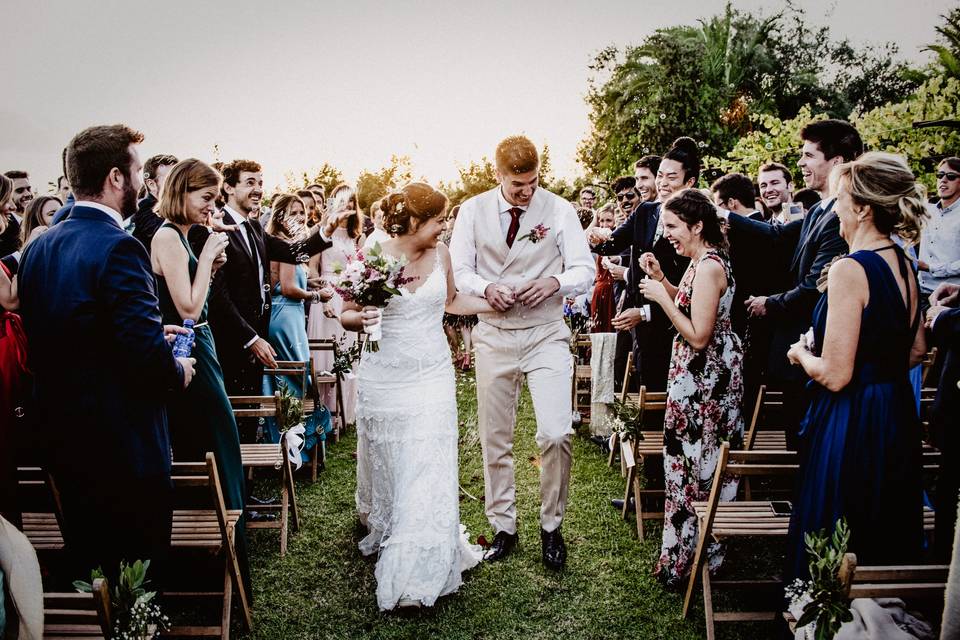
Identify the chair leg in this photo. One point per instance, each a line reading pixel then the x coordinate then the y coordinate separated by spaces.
pixel 227 605
pixel 708 602
pixel 614 443
pixel 313 462
pixel 639 506
pixel 627 491
pixel 698 561
pixel 292 491
pixel 284 512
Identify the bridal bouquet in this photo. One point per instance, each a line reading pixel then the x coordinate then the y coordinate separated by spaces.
pixel 371 280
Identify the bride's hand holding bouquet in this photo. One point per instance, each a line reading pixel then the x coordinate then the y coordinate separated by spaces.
pixel 369 281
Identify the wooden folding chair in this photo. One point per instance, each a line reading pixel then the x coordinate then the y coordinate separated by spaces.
pixel 644 454
pixel 582 377
pixel 322 379
pixel 907 582
pixel 719 521
pixel 761 438
pixel 40 508
pixel 305 371
pixel 201 521
pixel 78 616
pixel 273 457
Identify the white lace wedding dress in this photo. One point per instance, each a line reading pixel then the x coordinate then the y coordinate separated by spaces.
pixel 407 473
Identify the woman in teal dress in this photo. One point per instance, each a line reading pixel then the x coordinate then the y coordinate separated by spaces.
pixel 288 328
pixel 201 418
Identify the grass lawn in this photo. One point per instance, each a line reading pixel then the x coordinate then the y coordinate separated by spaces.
pixel 324 588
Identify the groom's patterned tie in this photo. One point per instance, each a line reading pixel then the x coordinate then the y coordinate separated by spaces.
pixel 515 214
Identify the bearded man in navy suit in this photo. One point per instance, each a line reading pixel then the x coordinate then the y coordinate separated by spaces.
pixel 103 368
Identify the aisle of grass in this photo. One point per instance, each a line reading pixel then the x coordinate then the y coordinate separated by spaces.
pixel 324 588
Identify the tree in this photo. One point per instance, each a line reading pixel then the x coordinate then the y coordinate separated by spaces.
pixel 371 186
pixel 327 175
pixel 948 53
pixel 475 178
pixel 711 81
pixel 888 127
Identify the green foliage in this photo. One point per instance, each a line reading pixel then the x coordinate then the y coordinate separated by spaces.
pixel 948 53
pixel 130 602
pixel 290 409
pixel 475 178
pixel 829 607
pixel 771 139
pixel 627 419
pixel 327 175
pixel 371 186
pixel 888 127
pixel 713 81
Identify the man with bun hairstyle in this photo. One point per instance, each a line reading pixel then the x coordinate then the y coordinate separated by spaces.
pixel 642 233
pixel 523 249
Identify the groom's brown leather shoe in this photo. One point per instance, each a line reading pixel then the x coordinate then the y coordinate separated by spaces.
pixel 503 544
pixel 554 550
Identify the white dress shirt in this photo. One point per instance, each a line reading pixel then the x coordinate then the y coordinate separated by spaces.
pixel 940 246
pixel 237 219
pixel 578 263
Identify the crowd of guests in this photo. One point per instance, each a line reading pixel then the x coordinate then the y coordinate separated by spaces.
pixel 832 293
pixel 95 286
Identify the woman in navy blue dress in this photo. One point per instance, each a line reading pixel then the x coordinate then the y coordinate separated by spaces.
pixel 860 439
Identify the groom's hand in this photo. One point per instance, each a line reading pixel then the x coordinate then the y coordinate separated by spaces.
pixel 536 291
pixel 499 297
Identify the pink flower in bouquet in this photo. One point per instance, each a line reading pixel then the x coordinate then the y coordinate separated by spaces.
pixel 536 234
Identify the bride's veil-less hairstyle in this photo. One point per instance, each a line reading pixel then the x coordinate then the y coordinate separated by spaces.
pixel 339 198
pixel 416 202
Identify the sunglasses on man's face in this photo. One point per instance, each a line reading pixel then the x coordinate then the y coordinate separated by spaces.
pixel 630 195
pixel 949 175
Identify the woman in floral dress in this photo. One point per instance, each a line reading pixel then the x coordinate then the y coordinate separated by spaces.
pixel 705 383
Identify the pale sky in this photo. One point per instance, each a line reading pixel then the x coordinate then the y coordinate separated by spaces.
pixel 294 83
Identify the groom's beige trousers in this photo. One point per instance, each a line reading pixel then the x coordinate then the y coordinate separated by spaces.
pixel 504 358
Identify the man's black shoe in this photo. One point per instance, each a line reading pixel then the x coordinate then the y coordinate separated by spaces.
pixel 618 505
pixel 503 544
pixel 554 550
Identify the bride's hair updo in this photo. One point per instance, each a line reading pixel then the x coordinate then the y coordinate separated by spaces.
pixel 416 201
pixel 885 182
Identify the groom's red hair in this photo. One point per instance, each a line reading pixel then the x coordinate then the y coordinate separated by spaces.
pixel 516 155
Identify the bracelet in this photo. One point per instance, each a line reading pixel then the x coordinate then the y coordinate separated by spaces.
pixel 662 276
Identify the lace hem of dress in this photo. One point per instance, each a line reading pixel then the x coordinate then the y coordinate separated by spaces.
pixel 439 563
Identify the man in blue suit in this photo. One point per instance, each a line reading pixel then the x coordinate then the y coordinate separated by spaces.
pixel 102 366
pixel 807 246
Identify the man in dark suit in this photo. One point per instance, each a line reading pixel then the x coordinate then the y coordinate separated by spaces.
pixel 240 295
pixel 812 242
pixel 145 220
pixel 103 369
pixel 943 318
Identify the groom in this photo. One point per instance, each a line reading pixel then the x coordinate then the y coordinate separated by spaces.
pixel 523 249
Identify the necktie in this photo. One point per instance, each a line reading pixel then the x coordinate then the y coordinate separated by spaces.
pixel 515 214
pixel 248 237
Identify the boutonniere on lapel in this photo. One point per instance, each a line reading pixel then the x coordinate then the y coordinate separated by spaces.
pixel 536 234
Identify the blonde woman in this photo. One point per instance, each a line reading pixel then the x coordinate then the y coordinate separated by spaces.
pixel 861 434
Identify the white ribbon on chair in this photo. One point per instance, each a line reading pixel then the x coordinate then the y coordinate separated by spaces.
pixel 293 442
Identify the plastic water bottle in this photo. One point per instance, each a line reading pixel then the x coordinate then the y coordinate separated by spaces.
pixel 183 345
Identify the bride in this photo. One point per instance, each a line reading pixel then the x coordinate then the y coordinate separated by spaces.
pixel 407 427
